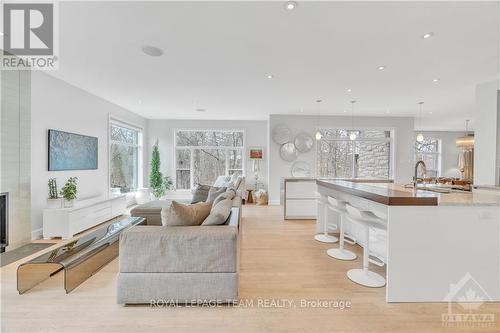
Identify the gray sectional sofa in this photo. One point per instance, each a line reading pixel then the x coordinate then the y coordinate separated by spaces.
pixel 180 264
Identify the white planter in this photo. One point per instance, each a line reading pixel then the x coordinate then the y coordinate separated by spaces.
pixel 142 196
pixel 54 203
pixel 68 203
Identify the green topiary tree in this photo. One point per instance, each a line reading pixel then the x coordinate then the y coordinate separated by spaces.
pixel 159 184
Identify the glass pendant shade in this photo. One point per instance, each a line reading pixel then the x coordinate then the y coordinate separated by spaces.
pixel 318 135
pixel 420 137
pixel 352 136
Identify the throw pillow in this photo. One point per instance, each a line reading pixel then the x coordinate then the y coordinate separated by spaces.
pixel 234 178
pixel 229 194
pixel 164 214
pixel 187 215
pixel 214 192
pixel 237 182
pixel 222 181
pixel 200 193
pixel 219 213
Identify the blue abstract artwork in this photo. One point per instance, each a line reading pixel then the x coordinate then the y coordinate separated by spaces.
pixel 70 151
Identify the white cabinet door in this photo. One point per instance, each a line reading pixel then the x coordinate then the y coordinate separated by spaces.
pixel 297 209
pixel 301 190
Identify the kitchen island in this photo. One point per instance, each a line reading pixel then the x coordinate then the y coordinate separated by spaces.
pixel 434 240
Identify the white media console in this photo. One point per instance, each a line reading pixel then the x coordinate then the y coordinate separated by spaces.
pixel 67 222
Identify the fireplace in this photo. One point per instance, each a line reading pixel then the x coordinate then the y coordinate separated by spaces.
pixel 4 221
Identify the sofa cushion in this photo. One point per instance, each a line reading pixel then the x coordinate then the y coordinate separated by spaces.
pixel 214 192
pixel 152 207
pixel 229 194
pixel 199 249
pixel 200 193
pixel 152 210
pixel 187 215
pixel 219 213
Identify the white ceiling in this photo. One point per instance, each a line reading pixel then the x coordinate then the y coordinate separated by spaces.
pixel 217 56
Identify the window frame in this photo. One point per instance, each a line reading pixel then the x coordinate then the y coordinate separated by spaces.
pixel 193 148
pixel 113 120
pixel 390 140
pixel 438 153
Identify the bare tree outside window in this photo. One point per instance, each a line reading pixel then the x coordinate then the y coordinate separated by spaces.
pixel 124 158
pixel 203 155
pixel 429 152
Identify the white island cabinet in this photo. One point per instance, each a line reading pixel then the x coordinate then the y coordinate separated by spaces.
pixel 300 198
pixel 439 245
pixel 67 222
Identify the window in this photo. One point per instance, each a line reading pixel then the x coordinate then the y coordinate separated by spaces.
pixel 429 151
pixel 369 156
pixel 203 155
pixel 125 157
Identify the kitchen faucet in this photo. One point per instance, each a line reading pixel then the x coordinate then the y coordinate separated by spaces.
pixel 415 179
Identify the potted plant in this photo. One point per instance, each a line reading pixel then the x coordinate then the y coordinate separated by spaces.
pixel 69 191
pixel 159 184
pixel 53 200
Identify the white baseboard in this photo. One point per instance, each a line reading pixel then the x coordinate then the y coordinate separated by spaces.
pixel 274 203
pixel 37 234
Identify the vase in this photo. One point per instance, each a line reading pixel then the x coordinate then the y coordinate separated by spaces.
pixel 68 203
pixel 54 203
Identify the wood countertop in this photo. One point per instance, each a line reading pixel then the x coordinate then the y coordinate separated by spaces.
pixel 397 195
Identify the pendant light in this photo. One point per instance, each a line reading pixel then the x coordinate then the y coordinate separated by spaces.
pixel 466 142
pixel 318 133
pixel 352 135
pixel 420 136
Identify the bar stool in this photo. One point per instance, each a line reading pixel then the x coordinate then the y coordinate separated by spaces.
pixel 341 253
pixel 325 237
pixel 366 220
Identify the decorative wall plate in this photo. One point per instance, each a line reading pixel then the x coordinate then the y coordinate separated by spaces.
pixel 281 134
pixel 301 169
pixel 288 152
pixel 303 142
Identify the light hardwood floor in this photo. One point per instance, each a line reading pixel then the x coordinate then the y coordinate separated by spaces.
pixel 279 260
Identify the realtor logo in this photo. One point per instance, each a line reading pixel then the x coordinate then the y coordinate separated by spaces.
pixel 465 299
pixel 28 29
pixel 29 40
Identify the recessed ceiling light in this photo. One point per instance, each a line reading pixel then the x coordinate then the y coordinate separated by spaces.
pixel 1 33
pixel 152 51
pixel 270 76
pixel 381 68
pixel 349 90
pixel 428 35
pixel 200 110
pixel 436 80
pixel 291 5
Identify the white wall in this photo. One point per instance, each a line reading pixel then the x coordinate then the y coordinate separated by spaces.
pixel 404 138
pixel 486 128
pixel 498 137
pixel 163 130
pixel 56 104
pixel 449 151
